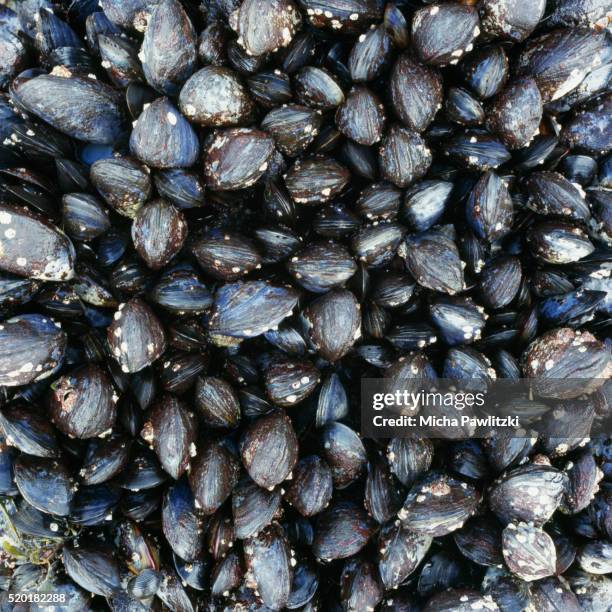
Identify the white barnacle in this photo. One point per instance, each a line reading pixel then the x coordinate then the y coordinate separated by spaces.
pixel 171 118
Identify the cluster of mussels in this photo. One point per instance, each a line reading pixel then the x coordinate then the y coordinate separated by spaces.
pixel 216 218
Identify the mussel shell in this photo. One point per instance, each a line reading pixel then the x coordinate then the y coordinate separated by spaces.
pixel 401 551
pixel 489 208
pixel 181 292
pixel 566 363
pixel 45 484
pixel 316 179
pixel 334 321
pixel 136 336
pixel 84 217
pixel 83 403
pixel 322 266
pixel 360 584
pixel 369 54
pixel 29 431
pixel 212 476
pixel 360 117
pixel 217 402
pixel 462 108
pixel 93 505
pixel 269 449
pixel 403 156
pixel 433 260
pixel 267 557
pixel 215 96
pixel 253 508
pixel 442 33
pixel 104 459
pixel 438 504
pixel 182 525
pixel 182 188
pixel 226 575
pixel 169 47
pixel 96 570
pixel 33 247
pixel 486 70
pixel 342 530
pixel 124 184
pixel 317 88
pixel 264 28
pixel 34 347
pixel 558 242
pixel 529 551
pixel 163 138
pixel 236 158
pixel 511 20
pixel 551 194
pixel 521 484
pixel 559 60
pixel 248 309
pixel 226 255
pixel 172 430
pixel 100 118
pixel 516 112
pixel 344 452
pixel 158 233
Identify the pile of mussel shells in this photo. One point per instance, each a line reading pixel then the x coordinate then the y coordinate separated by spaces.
pixel 216 218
